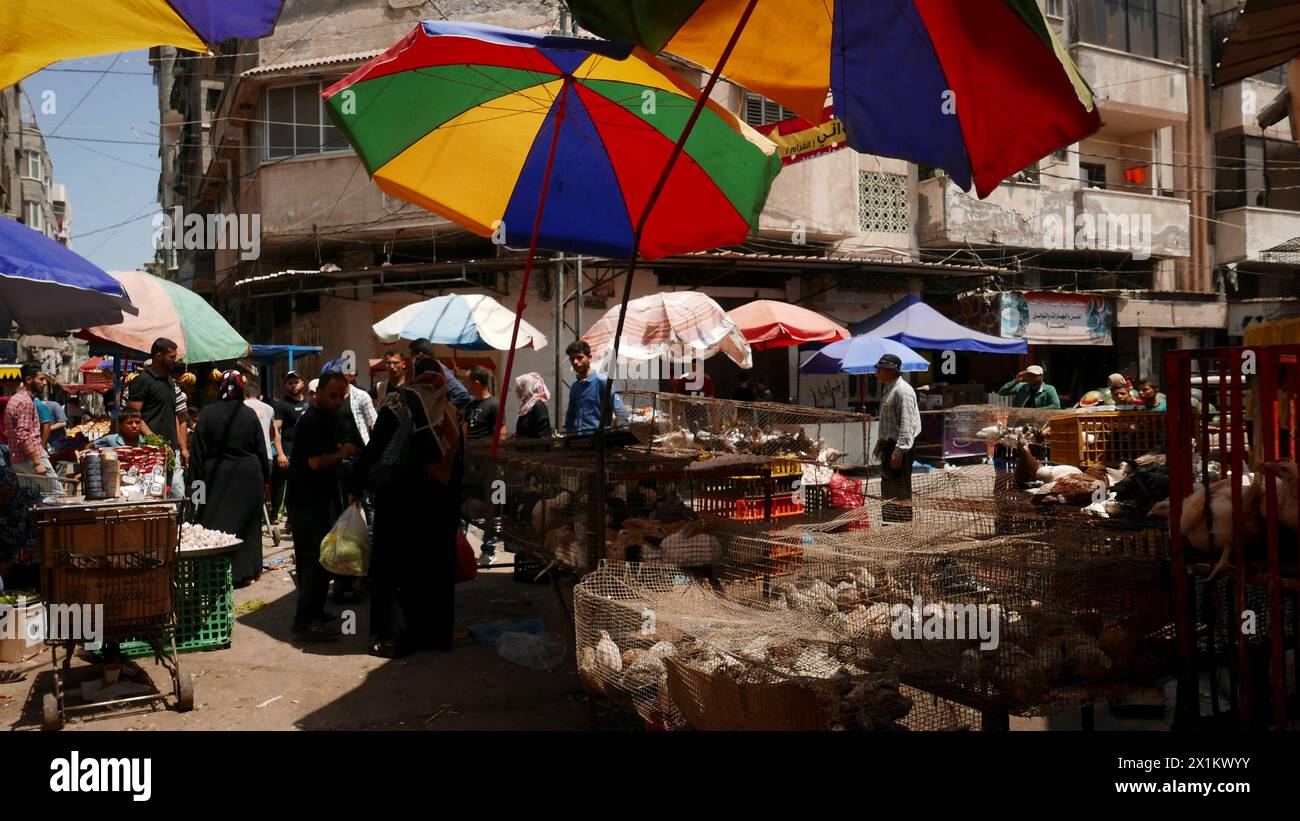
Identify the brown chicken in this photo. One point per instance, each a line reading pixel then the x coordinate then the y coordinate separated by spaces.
pixel 1077 490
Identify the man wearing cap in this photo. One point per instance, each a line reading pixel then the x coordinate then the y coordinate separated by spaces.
pixel 1028 390
pixel 900 425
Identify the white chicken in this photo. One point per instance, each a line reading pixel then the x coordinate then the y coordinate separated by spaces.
pixel 548 512
pixel 607 655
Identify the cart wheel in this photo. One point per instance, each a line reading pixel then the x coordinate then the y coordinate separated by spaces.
pixel 185 693
pixel 51 718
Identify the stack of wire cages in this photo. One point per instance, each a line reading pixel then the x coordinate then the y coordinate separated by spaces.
pixel 765 433
pixel 1028 624
pixel 683 654
pixel 796 450
pixel 549 503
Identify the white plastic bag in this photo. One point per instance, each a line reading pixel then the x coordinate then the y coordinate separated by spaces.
pixel 536 651
pixel 345 550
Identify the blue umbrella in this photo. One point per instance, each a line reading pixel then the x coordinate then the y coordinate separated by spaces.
pixel 860 354
pixel 46 288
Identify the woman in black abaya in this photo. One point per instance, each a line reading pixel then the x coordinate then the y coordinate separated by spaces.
pixel 417 515
pixel 229 457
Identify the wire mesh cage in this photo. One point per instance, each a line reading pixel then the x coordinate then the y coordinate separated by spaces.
pixel 968 424
pixel 765 432
pixel 682 653
pixel 1075 615
pixel 551 503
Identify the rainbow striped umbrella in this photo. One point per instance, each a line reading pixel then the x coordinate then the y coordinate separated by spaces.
pixel 980 88
pixel 476 123
pixel 35 33
pixel 166 309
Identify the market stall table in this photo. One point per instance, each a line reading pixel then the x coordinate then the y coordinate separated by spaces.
pixel 116 557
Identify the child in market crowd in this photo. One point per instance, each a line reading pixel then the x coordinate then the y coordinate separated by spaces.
pixel 128 431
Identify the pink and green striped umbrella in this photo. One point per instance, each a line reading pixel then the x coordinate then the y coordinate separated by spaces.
pixel 167 309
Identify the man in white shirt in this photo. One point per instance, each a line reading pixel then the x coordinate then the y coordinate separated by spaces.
pixel 363 407
pixel 265 417
pixel 900 425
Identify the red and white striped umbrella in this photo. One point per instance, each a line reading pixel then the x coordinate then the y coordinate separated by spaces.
pixel 680 325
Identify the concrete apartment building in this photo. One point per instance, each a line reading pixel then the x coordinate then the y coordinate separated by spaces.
pixel 244 133
pixel 26 172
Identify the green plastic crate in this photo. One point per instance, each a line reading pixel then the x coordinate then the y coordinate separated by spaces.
pixel 204 600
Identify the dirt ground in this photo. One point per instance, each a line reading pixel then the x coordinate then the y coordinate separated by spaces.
pixel 263 682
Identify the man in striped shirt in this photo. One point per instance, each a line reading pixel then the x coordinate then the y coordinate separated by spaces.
pixel 900 425
pixel 23 425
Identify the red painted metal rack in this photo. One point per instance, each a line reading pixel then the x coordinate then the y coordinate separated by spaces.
pixel 1240 582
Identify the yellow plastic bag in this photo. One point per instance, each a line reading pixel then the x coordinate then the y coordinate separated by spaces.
pixel 345 550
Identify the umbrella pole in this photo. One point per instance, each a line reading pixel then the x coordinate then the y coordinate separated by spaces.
pixel 532 253
pixel 607 395
pixel 117 380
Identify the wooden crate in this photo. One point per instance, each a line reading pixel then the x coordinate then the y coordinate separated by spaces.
pixel 108 536
pixel 1106 437
pixel 714 702
pixel 135 602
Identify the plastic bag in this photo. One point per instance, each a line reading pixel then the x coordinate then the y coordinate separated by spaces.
pixel 535 651
pixel 846 492
pixel 345 550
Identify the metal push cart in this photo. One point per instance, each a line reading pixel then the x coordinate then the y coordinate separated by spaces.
pixel 112 562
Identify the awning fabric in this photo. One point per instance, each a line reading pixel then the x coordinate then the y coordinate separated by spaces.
pixel 1267 35
pixel 917 325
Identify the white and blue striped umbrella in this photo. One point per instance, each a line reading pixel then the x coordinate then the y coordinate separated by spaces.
pixel 469 322
pixel 860 354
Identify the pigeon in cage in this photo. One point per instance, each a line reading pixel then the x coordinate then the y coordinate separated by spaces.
pixel 950 580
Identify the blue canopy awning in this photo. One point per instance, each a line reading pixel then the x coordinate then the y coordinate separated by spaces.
pixel 917 325
pixel 46 288
pixel 274 352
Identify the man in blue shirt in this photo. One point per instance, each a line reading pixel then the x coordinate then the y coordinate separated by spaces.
pixel 583 413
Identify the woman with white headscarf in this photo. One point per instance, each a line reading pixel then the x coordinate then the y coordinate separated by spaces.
pixel 534 418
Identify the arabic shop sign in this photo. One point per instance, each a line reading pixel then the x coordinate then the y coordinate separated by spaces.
pixel 1057 319
pixel 798 140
